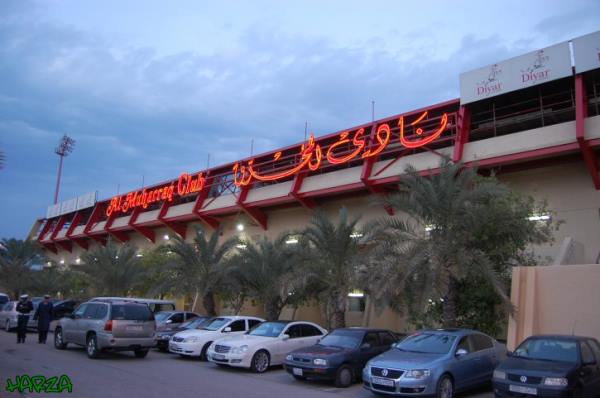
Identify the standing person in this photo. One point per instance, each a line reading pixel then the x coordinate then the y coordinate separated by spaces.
pixel 24 308
pixel 43 315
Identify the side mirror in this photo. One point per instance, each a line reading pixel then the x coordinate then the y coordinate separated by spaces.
pixel 227 330
pixel 365 346
pixel 461 352
pixel 285 337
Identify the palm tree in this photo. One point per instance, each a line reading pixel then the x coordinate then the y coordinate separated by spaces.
pixel 51 281
pixel 455 224
pixel 112 270
pixel 198 267
pixel 335 251
pixel 269 271
pixel 16 258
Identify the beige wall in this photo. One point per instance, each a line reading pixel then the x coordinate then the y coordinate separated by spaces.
pixel 562 299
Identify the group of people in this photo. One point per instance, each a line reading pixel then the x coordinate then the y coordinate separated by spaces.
pixel 42 314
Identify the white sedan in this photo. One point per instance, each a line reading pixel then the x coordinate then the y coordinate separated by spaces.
pixel 265 345
pixel 195 342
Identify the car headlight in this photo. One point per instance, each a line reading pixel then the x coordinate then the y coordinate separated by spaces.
pixel 498 374
pixel 192 339
pixel 417 374
pixel 556 381
pixel 289 357
pixel 239 350
pixel 319 361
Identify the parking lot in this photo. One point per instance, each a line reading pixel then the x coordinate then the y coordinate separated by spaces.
pixel 157 375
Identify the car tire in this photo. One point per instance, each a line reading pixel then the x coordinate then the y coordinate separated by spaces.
pixel 204 350
pixel 445 387
pixel 141 353
pixel 343 376
pixel 91 347
pixel 59 339
pixel 260 361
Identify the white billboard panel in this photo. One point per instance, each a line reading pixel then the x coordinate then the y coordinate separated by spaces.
pixel 586 52
pixel 524 71
pixel 53 211
pixel 68 206
pixel 86 200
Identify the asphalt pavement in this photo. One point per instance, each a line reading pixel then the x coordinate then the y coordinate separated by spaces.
pixel 157 375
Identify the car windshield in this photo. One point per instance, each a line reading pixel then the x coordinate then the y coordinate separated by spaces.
pixel 548 349
pixel 215 324
pixel 194 323
pixel 427 343
pixel 267 329
pixel 131 312
pixel 161 316
pixel 341 339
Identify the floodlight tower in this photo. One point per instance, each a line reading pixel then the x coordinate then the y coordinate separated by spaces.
pixel 64 148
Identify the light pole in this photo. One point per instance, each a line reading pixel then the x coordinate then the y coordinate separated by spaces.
pixel 64 148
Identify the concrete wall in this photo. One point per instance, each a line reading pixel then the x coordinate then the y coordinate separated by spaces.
pixel 562 299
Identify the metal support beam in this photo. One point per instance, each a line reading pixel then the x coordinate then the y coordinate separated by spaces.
pixel 308 203
pixel 94 218
pixel 200 200
pixel 58 227
pixel 180 228
pixel 365 174
pixel 589 157
pixel 254 213
pixel 121 236
pixel 45 229
pixel 463 128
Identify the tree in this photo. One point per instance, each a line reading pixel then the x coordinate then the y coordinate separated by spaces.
pixel 198 267
pixel 112 270
pixel 335 250
pixel 269 271
pixel 16 258
pixel 159 278
pixel 51 281
pixel 455 225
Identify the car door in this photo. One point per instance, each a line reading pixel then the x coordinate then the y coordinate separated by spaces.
pixel 175 319
pixel 283 346
pixel 465 367
pixel 369 346
pixel 590 370
pixel 69 325
pixel 189 315
pixel 310 335
pixel 485 355
pixel 85 323
pixel 237 327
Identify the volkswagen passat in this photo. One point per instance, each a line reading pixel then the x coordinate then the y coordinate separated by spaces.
pixel 435 363
pixel 551 366
pixel 195 342
pixel 265 345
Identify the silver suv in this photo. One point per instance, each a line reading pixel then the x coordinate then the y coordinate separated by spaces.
pixel 108 325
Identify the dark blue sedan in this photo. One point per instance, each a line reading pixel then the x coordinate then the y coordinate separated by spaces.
pixel 551 366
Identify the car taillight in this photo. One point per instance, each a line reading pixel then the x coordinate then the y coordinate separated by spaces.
pixel 108 326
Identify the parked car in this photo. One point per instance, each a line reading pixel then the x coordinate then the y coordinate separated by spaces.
pixel 551 366
pixel 163 337
pixel 340 356
pixel 435 362
pixel 166 320
pixel 108 325
pixel 195 342
pixel 8 316
pixel 154 304
pixel 3 299
pixel 265 345
pixel 63 308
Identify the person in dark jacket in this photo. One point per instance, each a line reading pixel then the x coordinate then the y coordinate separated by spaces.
pixel 24 308
pixel 43 315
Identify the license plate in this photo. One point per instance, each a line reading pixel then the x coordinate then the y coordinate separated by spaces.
pixel 218 357
pixel 382 382
pixel 297 371
pixel 134 328
pixel 522 390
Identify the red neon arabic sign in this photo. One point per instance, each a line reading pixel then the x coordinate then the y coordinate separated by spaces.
pixel 310 153
pixel 186 184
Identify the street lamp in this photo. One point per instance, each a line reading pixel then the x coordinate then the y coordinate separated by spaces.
pixel 64 148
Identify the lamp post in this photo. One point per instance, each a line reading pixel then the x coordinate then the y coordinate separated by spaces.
pixel 64 148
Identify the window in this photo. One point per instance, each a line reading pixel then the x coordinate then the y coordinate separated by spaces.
pixel 101 311
pixel 90 311
pixel 190 315
pixel 372 339
pixel 131 312
pixel 596 348
pixel 238 326
pixel 481 342
pixel 253 322
pixel 80 310
pixel 356 304
pixel 586 353
pixel 295 331
pixel 465 344
pixel 177 318
pixel 548 348
pixel 310 330
pixel 386 338
pixel 427 343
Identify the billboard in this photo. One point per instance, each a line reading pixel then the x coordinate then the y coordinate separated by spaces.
pixel 68 206
pixel 520 72
pixel 586 52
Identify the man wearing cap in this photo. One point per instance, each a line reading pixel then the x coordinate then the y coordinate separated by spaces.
pixel 43 315
pixel 24 308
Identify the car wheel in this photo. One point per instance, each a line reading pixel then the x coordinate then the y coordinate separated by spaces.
pixel 260 362
pixel 343 376
pixel 91 347
pixel 141 353
pixel 59 340
pixel 203 352
pixel 445 387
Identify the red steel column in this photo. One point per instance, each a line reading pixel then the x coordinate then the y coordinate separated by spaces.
pixel 589 157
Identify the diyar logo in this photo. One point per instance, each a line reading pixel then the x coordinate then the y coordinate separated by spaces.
pixel 538 70
pixel 491 85
pixel 384 372
pixel 523 379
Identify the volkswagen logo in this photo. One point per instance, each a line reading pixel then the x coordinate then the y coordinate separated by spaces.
pixel 384 372
pixel 523 379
